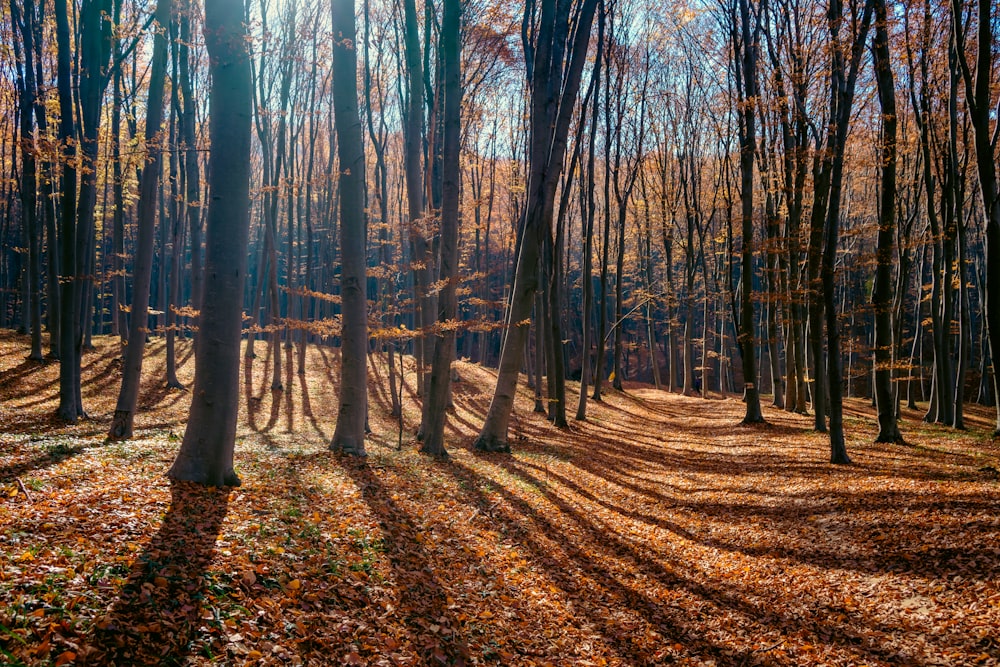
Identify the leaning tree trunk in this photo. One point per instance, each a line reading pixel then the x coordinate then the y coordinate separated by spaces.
pixel 206 454
pixel 128 397
pixel 349 435
pixel 554 89
pixel 589 208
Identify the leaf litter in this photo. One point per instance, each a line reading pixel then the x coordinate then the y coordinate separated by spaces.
pixel 658 532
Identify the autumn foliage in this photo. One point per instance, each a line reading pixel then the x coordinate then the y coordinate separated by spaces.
pixel 660 531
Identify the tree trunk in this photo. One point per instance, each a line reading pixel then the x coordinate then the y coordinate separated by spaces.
pixel 554 89
pixel 206 454
pixel 882 298
pixel 69 355
pixel 128 397
pixel 349 435
pixel 749 42
pixel 444 346
pixel 978 98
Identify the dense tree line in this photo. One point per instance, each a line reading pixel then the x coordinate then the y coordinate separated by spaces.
pixel 792 201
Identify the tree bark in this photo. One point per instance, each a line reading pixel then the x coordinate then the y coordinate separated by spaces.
pixel 128 396
pixel 206 454
pixel 882 297
pixel 349 435
pixel 554 88
pixel 444 345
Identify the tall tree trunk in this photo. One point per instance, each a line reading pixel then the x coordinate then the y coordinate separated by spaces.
pixel 746 69
pixel 192 176
pixel 206 454
pixel 349 435
pixel 444 346
pixel 555 83
pixel 172 299
pixel 978 89
pixel 69 357
pixel 882 297
pixel 128 396
pixel 588 208
pixel 842 84
pixel 414 172
pixel 28 90
pixel 119 315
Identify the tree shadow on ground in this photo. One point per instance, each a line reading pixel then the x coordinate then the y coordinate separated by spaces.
pixel 425 602
pixel 46 457
pixel 159 610
pixel 627 584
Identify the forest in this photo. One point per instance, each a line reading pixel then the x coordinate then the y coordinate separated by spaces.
pixel 590 332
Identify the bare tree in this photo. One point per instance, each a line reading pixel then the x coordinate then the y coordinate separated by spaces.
pixel 206 454
pixel 555 58
pixel 349 435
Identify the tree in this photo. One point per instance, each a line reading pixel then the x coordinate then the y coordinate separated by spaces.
pixel 206 454
pixel 349 435
pixel 978 91
pixel 746 48
pixel 444 344
pixel 128 396
pixel 843 80
pixel 28 100
pixel 555 59
pixel 70 408
pixel 882 298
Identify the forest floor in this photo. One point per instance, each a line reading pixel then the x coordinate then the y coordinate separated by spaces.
pixel 660 531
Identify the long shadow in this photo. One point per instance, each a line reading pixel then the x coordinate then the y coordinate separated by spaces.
pixel 289 389
pixel 157 616
pixel 425 600
pixel 715 594
pixel 23 369
pixel 895 555
pixel 307 407
pixel 592 587
pixel 252 402
pixel 53 456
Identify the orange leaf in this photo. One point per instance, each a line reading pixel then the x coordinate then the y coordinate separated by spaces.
pixel 65 657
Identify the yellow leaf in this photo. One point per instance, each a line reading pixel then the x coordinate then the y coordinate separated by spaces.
pixel 295 584
pixel 254 655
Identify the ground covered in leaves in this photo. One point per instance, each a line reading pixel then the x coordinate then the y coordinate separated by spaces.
pixel 658 532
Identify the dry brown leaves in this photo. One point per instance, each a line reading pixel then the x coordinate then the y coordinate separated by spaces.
pixel 658 532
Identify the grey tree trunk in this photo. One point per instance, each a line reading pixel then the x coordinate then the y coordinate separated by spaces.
pixel 28 91
pixel 206 454
pixel 748 47
pixel 444 345
pixel 349 435
pixel 980 105
pixel 414 134
pixel 555 84
pixel 128 396
pixel 882 297
pixel 842 84
pixel 69 356
pixel 589 208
